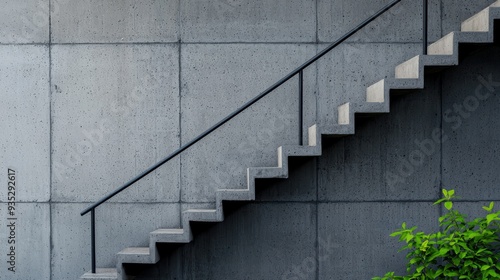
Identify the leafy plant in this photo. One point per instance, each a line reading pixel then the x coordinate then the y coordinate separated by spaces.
pixel 461 250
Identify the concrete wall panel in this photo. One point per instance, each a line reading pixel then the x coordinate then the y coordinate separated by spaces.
pixel 471 96
pixel 248 21
pixel 115 113
pixel 114 21
pixel 24 21
pixel 359 232
pixel 255 243
pixel 25 120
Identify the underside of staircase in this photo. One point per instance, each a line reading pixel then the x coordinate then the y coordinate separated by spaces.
pixel 478 29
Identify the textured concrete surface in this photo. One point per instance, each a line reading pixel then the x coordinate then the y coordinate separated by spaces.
pixel 25 120
pixel 250 139
pixel 117 106
pixel 93 21
pixel 347 71
pixel 31 242
pixel 473 210
pixel 118 226
pixel 390 156
pixel 453 14
pixel 257 224
pixel 338 17
pixel 115 113
pixel 303 175
pixel 360 232
pixel 471 96
pixel 230 251
pixel 248 21
pixel 24 21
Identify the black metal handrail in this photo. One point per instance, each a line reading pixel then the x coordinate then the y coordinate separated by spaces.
pixel 299 71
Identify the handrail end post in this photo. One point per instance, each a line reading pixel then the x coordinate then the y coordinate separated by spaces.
pixel 93 240
pixel 301 107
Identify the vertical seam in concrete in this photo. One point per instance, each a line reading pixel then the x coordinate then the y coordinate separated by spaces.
pixel 441 19
pixel 179 20
pixel 50 142
pixel 317 23
pixel 179 61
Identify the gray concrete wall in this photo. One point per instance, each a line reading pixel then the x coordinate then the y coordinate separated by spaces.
pixel 332 218
pixel 94 92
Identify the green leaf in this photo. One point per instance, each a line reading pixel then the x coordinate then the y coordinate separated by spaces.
pixel 489 208
pixel 484 267
pixel 448 205
pixel 462 249
pixel 491 217
pixel 445 193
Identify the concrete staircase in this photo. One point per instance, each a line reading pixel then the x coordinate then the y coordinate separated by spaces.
pixel 409 75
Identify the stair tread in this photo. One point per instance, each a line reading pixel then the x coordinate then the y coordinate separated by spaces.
pixel 232 190
pixel 201 210
pixel 169 231
pixel 135 251
pixel 101 273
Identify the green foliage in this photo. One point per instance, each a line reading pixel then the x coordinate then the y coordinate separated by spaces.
pixel 461 250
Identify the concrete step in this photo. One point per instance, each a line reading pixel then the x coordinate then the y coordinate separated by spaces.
pixel 448 45
pixel 137 255
pixel 482 21
pixel 202 215
pixel 414 67
pixel 101 274
pixel 170 236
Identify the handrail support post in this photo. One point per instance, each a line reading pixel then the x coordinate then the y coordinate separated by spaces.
pixel 92 214
pixel 301 107
pixel 425 26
